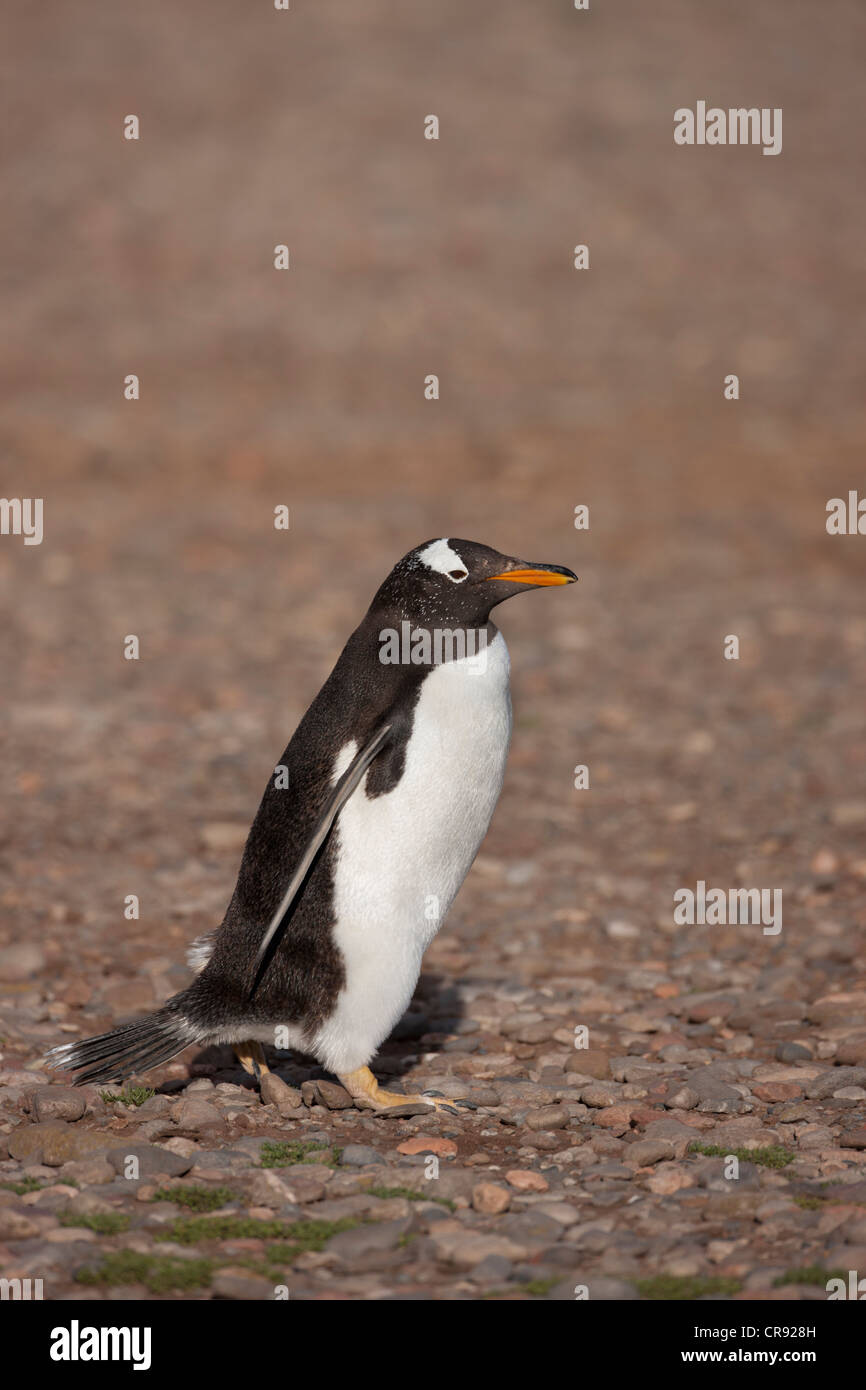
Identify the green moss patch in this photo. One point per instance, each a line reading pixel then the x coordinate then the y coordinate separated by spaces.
pixel 811 1274
pixel 294 1236
pixel 132 1095
pixel 773 1156
pixel 23 1186
pixel 104 1223
pixel 540 1288
pixel 158 1273
pixel 196 1198
pixel 817 1201
pixel 286 1153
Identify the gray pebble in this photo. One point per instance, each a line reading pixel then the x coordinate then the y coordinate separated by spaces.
pixel 793 1052
pixel 57 1103
pixel 834 1080
pixel 357 1155
pixel 152 1161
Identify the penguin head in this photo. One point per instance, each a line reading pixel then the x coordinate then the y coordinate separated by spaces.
pixel 461 581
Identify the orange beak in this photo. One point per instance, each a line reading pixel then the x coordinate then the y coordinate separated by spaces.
pixel 541 578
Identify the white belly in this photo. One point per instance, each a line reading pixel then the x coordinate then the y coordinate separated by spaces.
pixel 402 856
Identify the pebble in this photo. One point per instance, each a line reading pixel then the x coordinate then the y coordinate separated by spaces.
pixel 848 813
pixel 589 1062
pixel 493 1269
pixel 646 1152
pixel 57 1103
pixel 670 1178
pixel 196 1114
pixel 824 861
pixel 682 1098
pixel 240 1285
pixel 363 1241
pixel 533 1227
pixel 274 1091
pixel 834 1080
pixel 773 1091
pixel 299 1185
pixel 20 961
pixel 359 1155
pixel 714 1095
pixel 547 1117
pixel 53 1142
pixel 87 1172
pixel 467 1251
pixel 151 1161
pixel 332 1095
pixel 490 1198
pixel 423 1144
pixel 600 1095
pixel 524 1180
pixel 17 1225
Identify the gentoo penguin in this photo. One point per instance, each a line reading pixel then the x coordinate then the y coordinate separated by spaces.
pixel 355 855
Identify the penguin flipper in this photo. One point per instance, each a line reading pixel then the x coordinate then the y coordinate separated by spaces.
pixel 338 798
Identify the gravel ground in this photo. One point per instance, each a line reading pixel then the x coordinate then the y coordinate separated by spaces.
pixel 605 1166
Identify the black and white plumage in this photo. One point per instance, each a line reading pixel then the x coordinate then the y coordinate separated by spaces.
pixel 348 872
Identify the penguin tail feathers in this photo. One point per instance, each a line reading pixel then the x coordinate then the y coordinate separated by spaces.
pixel 134 1047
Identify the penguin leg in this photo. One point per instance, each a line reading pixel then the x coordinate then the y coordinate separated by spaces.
pixel 368 1094
pixel 252 1059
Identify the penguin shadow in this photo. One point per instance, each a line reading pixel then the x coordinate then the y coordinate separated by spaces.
pixel 431 1024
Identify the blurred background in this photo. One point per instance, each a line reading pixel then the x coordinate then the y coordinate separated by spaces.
pixel 602 387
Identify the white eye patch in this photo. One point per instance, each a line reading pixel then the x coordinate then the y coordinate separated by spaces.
pixel 440 557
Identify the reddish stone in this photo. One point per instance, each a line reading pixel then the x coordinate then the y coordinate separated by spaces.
pixel 490 1198
pixel 523 1180
pixel 427 1144
pixel 772 1091
pixel 661 1040
pixel 646 1114
pixel 615 1117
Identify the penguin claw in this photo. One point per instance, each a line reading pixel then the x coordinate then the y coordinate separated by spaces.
pixel 446 1103
pixel 368 1095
